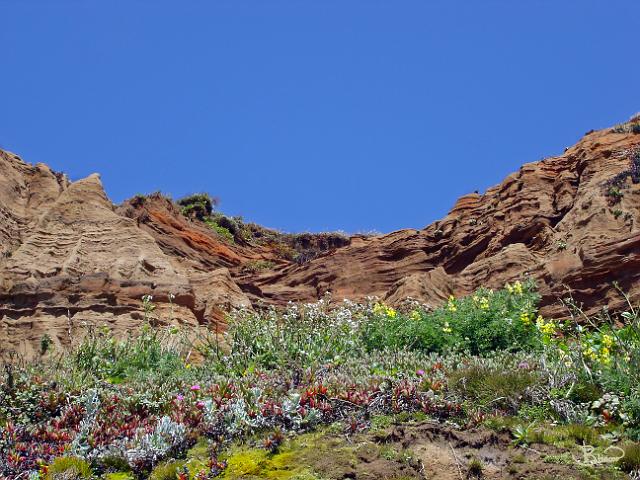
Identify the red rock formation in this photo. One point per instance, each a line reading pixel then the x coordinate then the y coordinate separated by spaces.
pixel 552 220
pixel 69 258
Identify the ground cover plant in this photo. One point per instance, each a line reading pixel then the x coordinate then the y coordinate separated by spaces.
pixel 247 403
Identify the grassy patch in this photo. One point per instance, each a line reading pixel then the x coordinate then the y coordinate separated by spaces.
pixel 72 468
pixel 255 266
pixel 631 460
pixel 488 388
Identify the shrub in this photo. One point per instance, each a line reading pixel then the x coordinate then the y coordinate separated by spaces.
pixel 635 163
pixel 313 334
pixel 229 224
pixel 631 126
pixel 300 337
pixel 224 232
pixel 631 408
pixel 485 322
pixel 604 358
pixel 138 200
pixel 388 329
pixel 614 187
pixel 103 356
pixel 199 205
pixel 115 464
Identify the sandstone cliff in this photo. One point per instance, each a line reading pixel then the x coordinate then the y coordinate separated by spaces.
pixel 70 259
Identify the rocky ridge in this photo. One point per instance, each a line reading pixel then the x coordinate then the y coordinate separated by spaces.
pixel 70 259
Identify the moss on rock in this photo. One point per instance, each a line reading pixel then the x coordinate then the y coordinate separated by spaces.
pixel 119 476
pixel 314 456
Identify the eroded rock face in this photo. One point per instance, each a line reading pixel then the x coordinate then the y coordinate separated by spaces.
pixel 70 259
pixel 552 220
pixel 70 262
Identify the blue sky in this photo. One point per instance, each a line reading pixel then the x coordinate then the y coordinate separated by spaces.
pixel 311 115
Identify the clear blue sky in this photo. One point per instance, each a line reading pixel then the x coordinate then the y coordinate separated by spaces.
pixel 312 115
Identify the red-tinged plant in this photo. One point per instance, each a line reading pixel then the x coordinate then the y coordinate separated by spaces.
pixel 273 441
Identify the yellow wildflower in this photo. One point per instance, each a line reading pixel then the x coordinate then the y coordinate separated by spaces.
pixel 607 341
pixel 484 303
pixel 382 309
pixel 566 359
pixel 446 328
pixel 509 288
pixel 605 355
pixel 547 328
pixel 379 308
pixel 517 287
pixel 415 316
pixel 525 317
pixel 451 305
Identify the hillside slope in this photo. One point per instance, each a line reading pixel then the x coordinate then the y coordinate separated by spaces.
pixel 70 259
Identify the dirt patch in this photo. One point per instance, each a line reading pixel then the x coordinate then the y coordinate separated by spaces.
pixel 421 451
pixel 445 453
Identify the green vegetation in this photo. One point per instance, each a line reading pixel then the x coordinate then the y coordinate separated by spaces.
pixel 631 460
pixel 615 187
pixel 486 322
pixel 224 232
pixel 632 126
pixel 153 351
pixel 258 266
pixel 282 390
pixel 198 206
pixel 166 471
pixel 475 468
pixel 298 247
pixel 615 194
pixel 487 388
pixel 72 468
